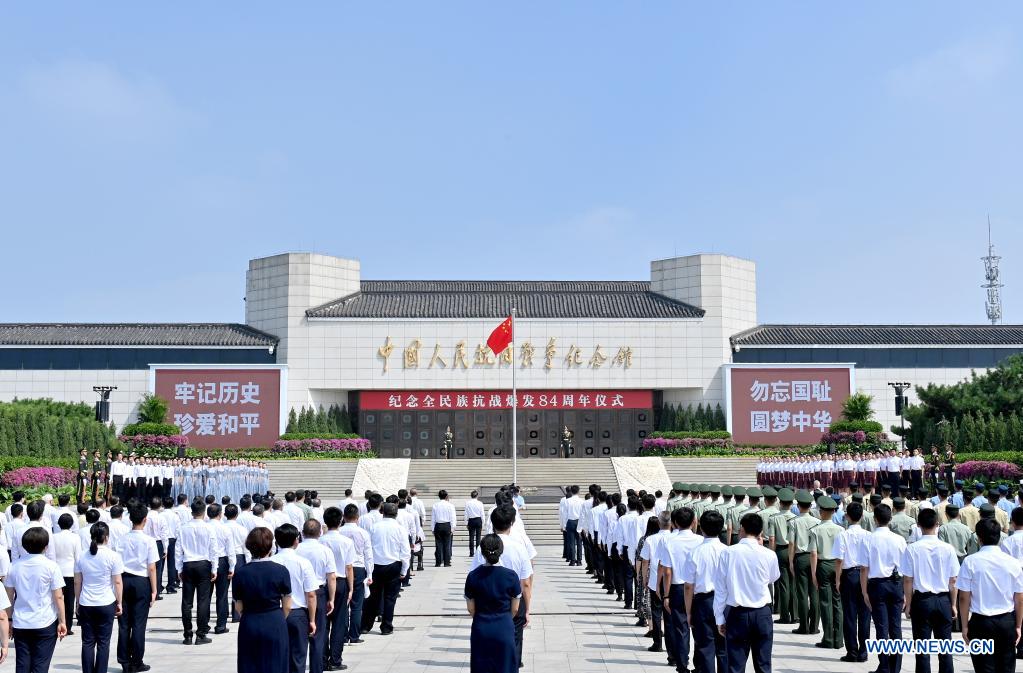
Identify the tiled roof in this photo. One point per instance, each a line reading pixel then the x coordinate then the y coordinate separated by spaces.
pixel 880 335
pixel 494 299
pixel 133 334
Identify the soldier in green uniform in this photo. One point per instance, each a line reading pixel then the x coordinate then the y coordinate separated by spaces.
pixel 722 509
pixel 807 603
pixel 734 513
pixel 675 501
pixel 753 495
pixel 955 532
pixel 822 569
pixel 770 504
pixel 987 511
pixel 778 535
pixel 867 523
pixel 901 522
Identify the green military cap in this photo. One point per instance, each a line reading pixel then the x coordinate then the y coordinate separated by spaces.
pixel 687 487
pixel 803 497
pixel 770 492
pixel 825 502
pixel 952 510
pixel 726 490
pixel 739 491
pixel 679 486
pixel 714 488
pixel 786 494
pixel 754 492
pixel 857 497
pixel 987 510
pixel 898 500
pixel 704 488
pixel 875 499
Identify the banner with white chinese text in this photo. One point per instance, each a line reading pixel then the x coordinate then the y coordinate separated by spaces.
pixel 502 399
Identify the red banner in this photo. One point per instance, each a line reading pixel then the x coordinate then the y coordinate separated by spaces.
pixel 223 408
pixel 785 405
pixel 502 399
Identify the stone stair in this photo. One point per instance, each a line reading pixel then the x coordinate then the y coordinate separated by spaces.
pixel 329 477
pixel 732 471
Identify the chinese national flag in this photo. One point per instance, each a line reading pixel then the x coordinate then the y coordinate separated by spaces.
pixel 501 337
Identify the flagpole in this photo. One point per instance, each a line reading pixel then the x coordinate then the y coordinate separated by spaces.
pixel 515 405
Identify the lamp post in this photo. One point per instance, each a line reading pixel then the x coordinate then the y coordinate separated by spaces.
pixel 103 405
pixel 900 405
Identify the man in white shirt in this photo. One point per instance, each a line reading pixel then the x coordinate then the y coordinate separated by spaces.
pixel 67 548
pixel 325 570
pixel 698 575
pixel 197 562
pixel 929 571
pixel 35 587
pixel 362 565
pixel 391 555
pixel 64 507
pixel 571 514
pixel 628 537
pixel 156 529
pixel 372 514
pixel 139 554
pixel 474 521
pixel 301 619
pixel 408 520
pixel 36 515
pixel 224 570
pixel 442 517
pixel 745 573
pixel 420 509
pixel 649 555
pixel 291 510
pixel 343 550
pixel 850 560
pixel 171 524
pixel 672 558
pixel 18 498
pixel 882 586
pixel 118 528
pixel 990 585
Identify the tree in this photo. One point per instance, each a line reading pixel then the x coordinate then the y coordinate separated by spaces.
pixel 858 407
pixel 292 421
pixel 152 409
pixel 321 420
pixel 346 420
pixel 720 423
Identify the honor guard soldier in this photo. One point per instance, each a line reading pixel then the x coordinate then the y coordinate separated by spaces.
pixel 929 575
pixel 901 524
pixel 778 536
pixel 822 568
pixel 807 602
pixel 850 552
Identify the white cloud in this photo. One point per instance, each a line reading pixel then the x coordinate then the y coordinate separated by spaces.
pixel 953 70
pixel 95 97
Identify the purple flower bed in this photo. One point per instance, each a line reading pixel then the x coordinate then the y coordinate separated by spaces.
pixel 38 476
pixel 160 441
pixel 326 446
pixel 989 469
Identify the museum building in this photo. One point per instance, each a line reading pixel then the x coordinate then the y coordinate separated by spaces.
pixel 409 359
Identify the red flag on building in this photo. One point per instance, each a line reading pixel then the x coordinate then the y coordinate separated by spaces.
pixel 501 337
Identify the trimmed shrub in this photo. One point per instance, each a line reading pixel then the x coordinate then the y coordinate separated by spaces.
pixel 146 428
pixel 855 426
pixel 707 434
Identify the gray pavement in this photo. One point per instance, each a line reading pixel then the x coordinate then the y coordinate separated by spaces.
pixel 575 628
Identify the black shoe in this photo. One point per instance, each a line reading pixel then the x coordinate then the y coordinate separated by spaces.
pixel 436 565
pixel 356 641
pixel 640 622
pixel 447 565
pixel 69 633
pixel 187 640
pixel 654 648
pixel 220 631
pixel 171 591
pixel 386 633
pixel 420 567
pixel 202 640
pixel 799 632
pixel 823 646
pixel 141 668
pixel 159 597
pixel 649 634
pixel 610 591
pixel 848 658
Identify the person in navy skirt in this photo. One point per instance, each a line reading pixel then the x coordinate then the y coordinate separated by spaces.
pixel 262 595
pixel 492 594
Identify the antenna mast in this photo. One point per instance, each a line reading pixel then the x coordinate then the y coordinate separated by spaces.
pixel 993 305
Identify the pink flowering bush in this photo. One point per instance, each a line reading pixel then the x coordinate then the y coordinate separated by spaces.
pixel 155 441
pixel 29 477
pixel 984 470
pixel 329 447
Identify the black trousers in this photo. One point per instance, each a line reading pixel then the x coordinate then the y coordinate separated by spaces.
pixel 709 652
pixel 587 551
pixel 69 601
pixel 221 587
pixel 1002 630
pixel 618 572
pixel 628 578
pixel 356 606
pixel 33 649
pixel 298 639
pixel 573 541
pixel 931 616
pixel 318 641
pixel 131 625
pixel 159 566
pixel 749 631
pixel 678 627
pixel 97 624
pixel 442 543
pixel 239 563
pixel 855 616
pixel 656 618
pixel 475 526
pixel 172 569
pixel 519 621
pixel 117 485
pixel 886 602
pixel 337 623
pixel 383 594
pixel 195 579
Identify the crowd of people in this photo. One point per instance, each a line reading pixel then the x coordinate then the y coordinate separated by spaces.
pixel 711 570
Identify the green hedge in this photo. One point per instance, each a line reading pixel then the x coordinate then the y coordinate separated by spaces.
pixel 319 435
pixel 8 463
pixel 50 430
pixel 150 429
pixel 856 426
pixel 693 434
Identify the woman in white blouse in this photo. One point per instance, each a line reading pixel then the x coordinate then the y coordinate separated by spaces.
pixel 98 590
pixel 35 587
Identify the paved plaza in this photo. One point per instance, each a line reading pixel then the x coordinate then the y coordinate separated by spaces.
pixel 574 627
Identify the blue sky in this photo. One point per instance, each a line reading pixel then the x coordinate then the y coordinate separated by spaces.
pixel 854 152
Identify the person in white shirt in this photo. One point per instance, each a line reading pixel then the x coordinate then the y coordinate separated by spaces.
pixel 139 555
pixel 929 569
pixel 881 586
pixel 35 587
pixel 36 517
pixel 409 520
pixel 64 507
pixel 67 547
pixel 570 515
pixel 474 521
pixel 296 517
pixel 698 576
pixel 17 498
pixel 98 589
pixel 651 566
pixel 661 503
pixel 362 565
pixel 628 537
pixel 197 561
pixel 745 573
pixel 420 509
pixel 442 518
pixel 324 569
pixel 391 555
pixel 224 570
pixel 372 515
pixel 301 619
pixel 672 558
pixel 850 560
pixel 343 550
pixel 117 528
pixel 990 586
pixel 348 500
pixel 238 533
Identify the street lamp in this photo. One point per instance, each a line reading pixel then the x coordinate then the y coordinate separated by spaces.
pixel 900 405
pixel 103 405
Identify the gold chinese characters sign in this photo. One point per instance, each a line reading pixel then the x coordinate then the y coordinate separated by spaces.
pixel 413 356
